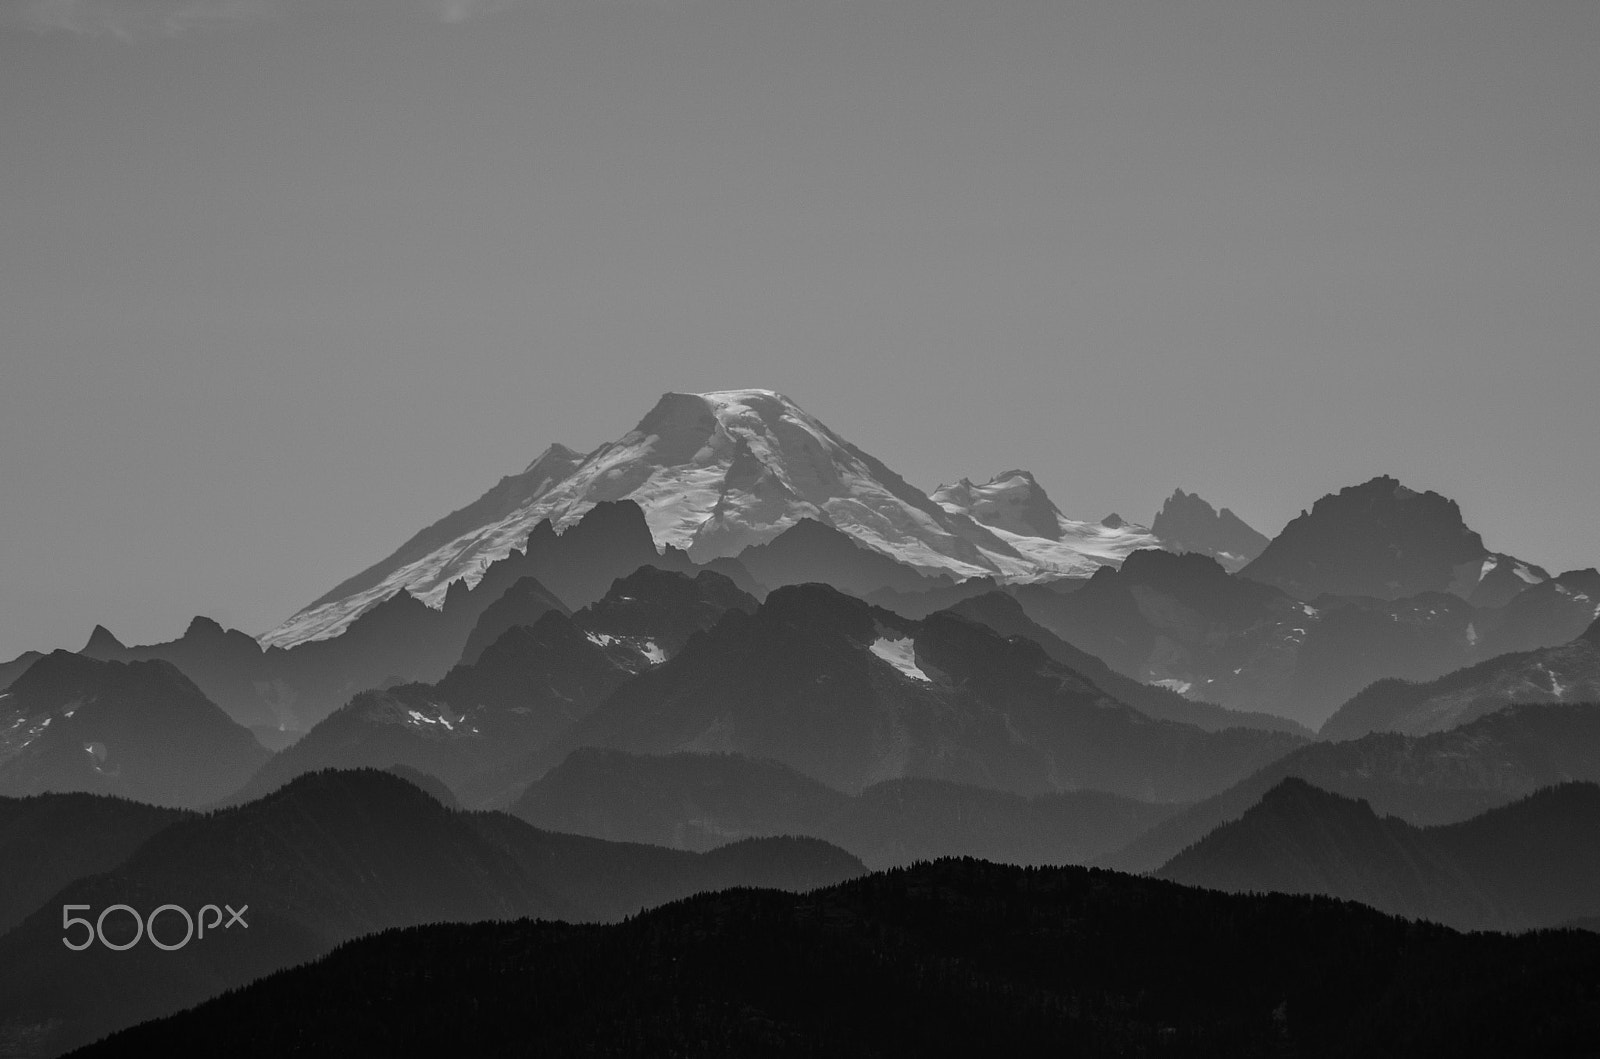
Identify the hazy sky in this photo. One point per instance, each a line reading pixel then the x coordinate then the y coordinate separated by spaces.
pixel 282 281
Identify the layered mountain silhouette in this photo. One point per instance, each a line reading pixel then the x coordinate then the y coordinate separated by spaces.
pixel 400 638
pixel 812 551
pixel 920 604
pixel 948 958
pixel 13 669
pixel 732 650
pixel 1534 863
pixel 852 695
pixel 1569 673
pixel 528 685
pixel 1440 778
pixel 138 730
pixel 1541 615
pixel 700 801
pixel 1184 622
pixel 524 603
pixel 1383 540
pixel 329 857
pixel 1006 616
pixel 1186 523
pixel 682 801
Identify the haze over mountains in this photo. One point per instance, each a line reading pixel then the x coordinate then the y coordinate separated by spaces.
pixel 701 801
pixel 1186 523
pixel 525 687
pixel 1534 863
pixel 330 857
pixel 733 649
pixel 140 730
pixel 1373 582
pixel 1569 672
pixel 1441 778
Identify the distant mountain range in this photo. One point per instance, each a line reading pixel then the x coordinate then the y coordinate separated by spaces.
pixel 852 695
pixel 731 649
pixel 1567 673
pixel 401 639
pixel 1377 581
pixel 701 801
pixel 1006 616
pixel 526 686
pixel 1184 622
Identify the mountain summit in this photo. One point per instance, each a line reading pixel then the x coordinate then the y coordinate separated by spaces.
pixel 1384 540
pixel 715 473
pixel 1187 523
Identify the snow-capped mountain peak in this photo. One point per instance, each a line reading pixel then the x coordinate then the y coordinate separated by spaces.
pixel 1015 508
pixel 554 464
pixel 715 473
pixel 1012 501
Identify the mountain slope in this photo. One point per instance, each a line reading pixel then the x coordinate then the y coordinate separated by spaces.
pixel 48 840
pixel 699 801
pixel 1568 673
pixel 532 682
pixel 812 551
pixel 1440 778
pixel 1014 507
pixel 510 494
pixel 401 638
pixel 13 669
pixel 1534 863
pixel 139 730
pixel 1185 622
pixel 524 603
pixel 851 695
pixel 1543 615
pixel 1005 615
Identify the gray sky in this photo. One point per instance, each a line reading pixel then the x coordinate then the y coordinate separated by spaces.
pixel 283 280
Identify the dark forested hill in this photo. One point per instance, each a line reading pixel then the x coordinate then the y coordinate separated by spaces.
pixel 953 958
pixel 326 858
pixel 48 840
